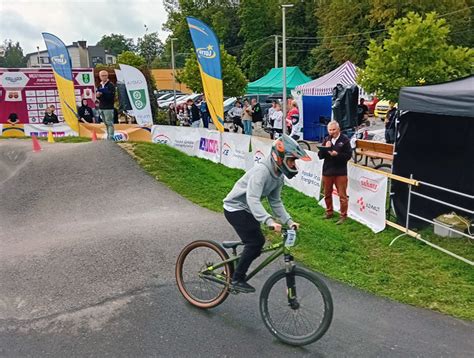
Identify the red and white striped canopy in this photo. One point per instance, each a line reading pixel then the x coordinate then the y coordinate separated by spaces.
pixel 323 86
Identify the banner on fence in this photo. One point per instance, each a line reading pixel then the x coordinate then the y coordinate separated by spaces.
pixel 367 193
pixel 122 132
pixel 261 148
pixel 235 150
pixel 41 130
pixel 308 179
pixel 184 139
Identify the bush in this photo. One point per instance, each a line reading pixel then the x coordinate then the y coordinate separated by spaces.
pixel 161 117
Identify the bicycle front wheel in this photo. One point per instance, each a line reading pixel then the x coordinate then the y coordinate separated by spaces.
pixel 200 287
pixel 307 319
pixel 304 144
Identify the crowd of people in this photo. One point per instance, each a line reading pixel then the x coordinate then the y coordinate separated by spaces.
pixel 193 114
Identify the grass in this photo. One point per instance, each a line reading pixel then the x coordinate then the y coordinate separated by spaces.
pixel 409 271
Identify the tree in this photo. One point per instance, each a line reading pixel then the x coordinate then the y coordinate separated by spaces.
pixel 416 52
pixel 116 43
pixel 13 55
pixel 233 79
pixel 150 47
pixel 130 58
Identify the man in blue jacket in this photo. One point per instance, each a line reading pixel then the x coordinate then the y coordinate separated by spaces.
pixel 106 95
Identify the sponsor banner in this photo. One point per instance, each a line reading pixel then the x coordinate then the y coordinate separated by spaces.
pixel 122 132
pixel 12 130
pixel 209 145
pixel 235 150
pixel 261 148
pixel 137 91
pixel 185 139
pixel 367 197
pixel 309 177
pixel 367 193
pixel 41 130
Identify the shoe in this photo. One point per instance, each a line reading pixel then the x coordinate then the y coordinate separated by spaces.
pixel 341 221
pixel 327 217
pixel 242 286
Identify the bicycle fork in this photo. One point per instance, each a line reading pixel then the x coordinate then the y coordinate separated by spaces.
pixel 290 282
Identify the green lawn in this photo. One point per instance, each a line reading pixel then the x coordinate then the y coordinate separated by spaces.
pixel 409 271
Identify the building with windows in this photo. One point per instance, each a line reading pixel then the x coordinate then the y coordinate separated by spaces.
pixel 82 56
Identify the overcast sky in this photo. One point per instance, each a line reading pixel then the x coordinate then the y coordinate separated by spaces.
pixel 72 20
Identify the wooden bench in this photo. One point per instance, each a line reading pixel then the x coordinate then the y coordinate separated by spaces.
pixel 371 149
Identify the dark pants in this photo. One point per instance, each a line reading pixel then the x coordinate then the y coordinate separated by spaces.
pixel 248 229
pixel 341 186
pixel 205 119
pixel 237 121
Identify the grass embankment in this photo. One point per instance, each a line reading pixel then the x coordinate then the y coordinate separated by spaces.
pixel 409 271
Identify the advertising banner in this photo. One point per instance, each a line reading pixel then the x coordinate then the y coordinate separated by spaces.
pixel 261 148
pixel 308 180
pixel 209 145
pixel 235 150
pixel 208 55
pixel 137 91
pixel 122 132
pixel 27 92
pixel 61 63
pixel 41 130
pixel 185 139
pixel 367 193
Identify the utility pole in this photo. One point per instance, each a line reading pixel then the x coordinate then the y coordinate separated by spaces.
pixel 276 51
pixel 283 19
pixel 174 74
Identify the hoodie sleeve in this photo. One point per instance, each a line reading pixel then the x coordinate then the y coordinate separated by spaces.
pixel 274 198
pixel 254 196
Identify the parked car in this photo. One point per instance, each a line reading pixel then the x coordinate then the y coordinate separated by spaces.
pixel 381 109
pixel 167 102
pixel 371 102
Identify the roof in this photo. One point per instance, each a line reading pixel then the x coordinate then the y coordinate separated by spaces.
pixel 273 81
pixel 323 86
pixel 455 98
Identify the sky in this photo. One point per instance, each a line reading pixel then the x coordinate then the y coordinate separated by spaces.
pixel 73 20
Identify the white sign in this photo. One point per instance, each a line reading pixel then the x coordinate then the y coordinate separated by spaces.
pixel 261 148
pixel 235 150
pixel 185 139
pixel 367 193
pixel 41 130
pixel 137 91
pixel 308 179
pixel 209 146
pixel 85 79
pixel 13 79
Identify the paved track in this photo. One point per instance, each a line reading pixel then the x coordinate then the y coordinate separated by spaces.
pixel 88 243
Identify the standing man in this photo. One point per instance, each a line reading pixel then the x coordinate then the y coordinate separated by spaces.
pixel 362 112
pixel 106 95
pixel 335 169
pixel 194 114
pixel 204 113
pixel 257 115
pixel 390 133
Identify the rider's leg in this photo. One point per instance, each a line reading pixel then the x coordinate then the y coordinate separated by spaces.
pixel 248 229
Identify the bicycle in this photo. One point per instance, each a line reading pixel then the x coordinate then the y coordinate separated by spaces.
pixel 204 271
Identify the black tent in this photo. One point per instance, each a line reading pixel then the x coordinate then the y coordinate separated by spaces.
pixel 435 143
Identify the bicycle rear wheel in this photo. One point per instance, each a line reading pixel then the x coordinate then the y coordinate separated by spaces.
pixel 198 288
pixel 303 323
pixel 304 144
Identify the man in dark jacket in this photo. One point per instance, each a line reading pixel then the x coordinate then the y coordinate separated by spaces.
pixel 335 169
pixel 257 115
pixel 106 95
pixel 194 114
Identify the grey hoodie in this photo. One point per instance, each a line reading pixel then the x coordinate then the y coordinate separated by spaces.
pixel 259 182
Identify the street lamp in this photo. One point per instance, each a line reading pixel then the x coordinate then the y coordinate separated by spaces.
pixel 283 19
pixel 174 74
pixel 39 62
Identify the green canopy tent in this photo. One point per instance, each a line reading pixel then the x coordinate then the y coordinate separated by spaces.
pixel 272 82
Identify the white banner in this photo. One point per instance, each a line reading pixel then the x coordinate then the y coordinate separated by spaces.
pixel 308 179
pixel 367 193
pixel 185 139
pixel 41 130
pixel 235 150
pixel 209 146
pixel 137 91
pixel 261 148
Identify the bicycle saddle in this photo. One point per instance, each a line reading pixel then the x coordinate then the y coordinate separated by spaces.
pixel 231 244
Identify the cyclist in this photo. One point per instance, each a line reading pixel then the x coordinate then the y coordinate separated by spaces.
pixel 243 207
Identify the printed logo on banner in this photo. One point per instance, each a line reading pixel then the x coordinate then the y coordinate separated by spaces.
pixel 226 149
pixel 361 204
pixel 86 78
pixel 372 209
pixel 369 184
pixel 161 139
pixel 14 79
pixel 120 136
pixel 259 156
pixel 139 98
pixel 206 52
pixel 209 145
pixel 59 60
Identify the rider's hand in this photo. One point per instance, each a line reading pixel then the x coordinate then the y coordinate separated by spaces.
pixel 295 226
pixel 276 227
